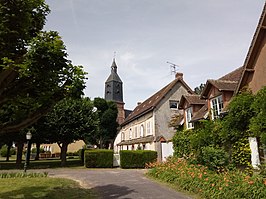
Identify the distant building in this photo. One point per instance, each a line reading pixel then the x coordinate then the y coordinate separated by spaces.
pixel 147 127
pixel 114 92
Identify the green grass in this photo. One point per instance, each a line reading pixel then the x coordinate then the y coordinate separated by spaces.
pixel 43 187
pixel 40 164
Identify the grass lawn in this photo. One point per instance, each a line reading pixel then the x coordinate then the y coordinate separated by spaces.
pixel 42 187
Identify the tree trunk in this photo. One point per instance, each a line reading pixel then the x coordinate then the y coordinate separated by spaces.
pixel 9 145
pixel 63 153
pixel 19 153
pixel 38 145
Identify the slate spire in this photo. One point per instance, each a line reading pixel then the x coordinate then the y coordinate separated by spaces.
pixel 114 85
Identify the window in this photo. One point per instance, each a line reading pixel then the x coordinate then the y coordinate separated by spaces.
pixel 216 106
pixel 173 104
pixel 142 131
pixel 130 133
pixel 148 128
pixel 136 131
pixel 122 136
pixel 188 118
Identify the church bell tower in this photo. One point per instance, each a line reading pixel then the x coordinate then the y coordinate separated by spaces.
pixel 114 92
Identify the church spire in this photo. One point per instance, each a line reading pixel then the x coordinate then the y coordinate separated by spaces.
pixel 114 66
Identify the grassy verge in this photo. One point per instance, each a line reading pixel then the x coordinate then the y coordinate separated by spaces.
pixel 197 179
pixel 42 187
pixel 40 164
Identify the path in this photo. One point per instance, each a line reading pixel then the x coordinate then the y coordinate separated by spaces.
pixel 118 183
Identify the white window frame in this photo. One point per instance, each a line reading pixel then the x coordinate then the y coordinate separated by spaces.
pixel 136 131
pixel 216 106
pixel 122 136
pixel 148 128
pixel 142 130
pixel 189 115
pixel 130 134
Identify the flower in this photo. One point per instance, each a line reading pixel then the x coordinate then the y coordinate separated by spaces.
pixel 213 184
pixel 251 182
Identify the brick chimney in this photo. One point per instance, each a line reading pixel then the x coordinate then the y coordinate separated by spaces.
pixel 179 75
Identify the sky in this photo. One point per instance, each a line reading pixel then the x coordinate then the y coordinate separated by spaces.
pixel 206 39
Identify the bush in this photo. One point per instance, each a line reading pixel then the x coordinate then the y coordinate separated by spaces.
pixel 81 154
pixel 34 150
pixel 214 158
pixel 3 151
pixel 100 158
pixel 136 159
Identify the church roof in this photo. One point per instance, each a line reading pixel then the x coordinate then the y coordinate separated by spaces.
pixel 150 103
pixel 113 76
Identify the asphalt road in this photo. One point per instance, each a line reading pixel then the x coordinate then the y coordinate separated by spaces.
pixel 119 183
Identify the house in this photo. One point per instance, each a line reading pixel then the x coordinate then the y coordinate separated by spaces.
pixel 190 105
pixel 147 127
pixel 253 76
pixel 218 94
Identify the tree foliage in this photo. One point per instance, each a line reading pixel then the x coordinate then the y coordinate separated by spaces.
pixel 107 113
pixel 34 70
pixel 70 120
pixel 258 122
pixel 198 90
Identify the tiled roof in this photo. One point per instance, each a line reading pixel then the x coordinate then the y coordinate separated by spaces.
pixel 150 103
pixel 224 85
pixel 228 82
pixel 233 76
pixel 191 99
pixel 201 114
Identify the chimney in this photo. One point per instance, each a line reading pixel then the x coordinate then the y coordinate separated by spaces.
pixel 179 75
pixel 139 103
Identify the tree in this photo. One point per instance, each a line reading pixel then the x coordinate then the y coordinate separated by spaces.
pixel 198 90
pixel 71 119
pixel 258 122
pixel 236 123
pixel 34 71
pixel 107 113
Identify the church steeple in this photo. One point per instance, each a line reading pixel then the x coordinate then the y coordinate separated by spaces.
pixel 114 85
pixel 114 66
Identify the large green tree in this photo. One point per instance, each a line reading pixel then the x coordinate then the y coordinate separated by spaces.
pixel 71 119
pixel 107 113
pixel 34 70
pixel 258 122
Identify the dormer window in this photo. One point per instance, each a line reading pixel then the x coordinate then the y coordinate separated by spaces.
pixel 217 106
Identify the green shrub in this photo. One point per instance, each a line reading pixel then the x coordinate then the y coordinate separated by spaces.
pixel 3 151
pixel 214 158
pixel 34 150
pixel 181 144
pixel 81 154
pixel 136 159
pixel 100 158
pixel 241 154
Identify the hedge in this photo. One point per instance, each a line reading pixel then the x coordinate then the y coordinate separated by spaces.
pixel 99 158
pixel 136 159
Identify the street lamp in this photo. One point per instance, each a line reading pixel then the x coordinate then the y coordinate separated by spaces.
pixel 28 138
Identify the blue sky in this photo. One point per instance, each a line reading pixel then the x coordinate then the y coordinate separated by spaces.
pixel 206 39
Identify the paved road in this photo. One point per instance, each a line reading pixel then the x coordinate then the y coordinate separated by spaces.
pixel 118 183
